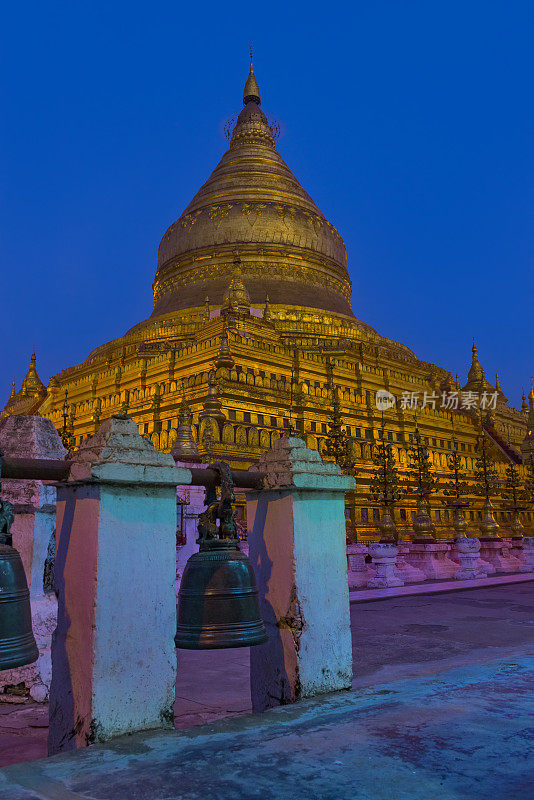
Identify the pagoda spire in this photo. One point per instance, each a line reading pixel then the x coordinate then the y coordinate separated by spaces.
pixel 185 447
pixel 13 392
pixel 32 384
pixel 498 389
pixel 267 314
pixel 527 447
pixel 212 404
pixel 224 356
pixel 476 377
pixel 524 404
pixel 236 297
pixel 530 420
pixel 251 92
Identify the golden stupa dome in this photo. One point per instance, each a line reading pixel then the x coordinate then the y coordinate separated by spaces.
pixel 252 202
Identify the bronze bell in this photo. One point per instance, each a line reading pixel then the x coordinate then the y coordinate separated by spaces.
pixel 218 603
pixel 17 643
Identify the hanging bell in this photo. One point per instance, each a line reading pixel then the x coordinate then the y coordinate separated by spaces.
pixel 17 643
pixel 218 603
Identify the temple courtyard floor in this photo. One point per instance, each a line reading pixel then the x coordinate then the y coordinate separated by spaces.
pixel 441 709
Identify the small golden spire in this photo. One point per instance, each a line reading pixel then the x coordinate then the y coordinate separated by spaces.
pixel 530 418
pixel 267 315
pixel 13 392
pixel 236 296
pixel 212 404
pixel 32 384
pixel 524 404
pixel 224 356
pixel 497 383
pixel 184 447
pixel 251 92
pixel 476 377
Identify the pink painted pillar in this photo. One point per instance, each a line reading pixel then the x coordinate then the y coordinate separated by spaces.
pixel 432 559
pixel 494 551
pixel 113 653
pixel 298 552
pixel 403 568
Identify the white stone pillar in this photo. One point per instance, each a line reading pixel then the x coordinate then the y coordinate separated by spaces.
pixel 468 550
pixel 113 654
pixel 26 436
pixel 298 551
pixel 384 555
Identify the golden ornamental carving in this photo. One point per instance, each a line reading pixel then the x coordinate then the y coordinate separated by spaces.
pixel 288 214
pixel 188 220
pixel 334 231
pixel 271 271
pixel 315 221
pixel 218 213
pixel 252 211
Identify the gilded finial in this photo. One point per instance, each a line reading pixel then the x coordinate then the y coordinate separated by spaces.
pixel 267 315
pixel 13 392
pixel 524 404
pixel 236 297
pixel 32 384
pixel 224 357
pixel 476 377
pixel 212 404
pixel 184 447
pixel 251 92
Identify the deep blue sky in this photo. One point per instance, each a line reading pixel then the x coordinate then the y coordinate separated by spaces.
pixel 410 124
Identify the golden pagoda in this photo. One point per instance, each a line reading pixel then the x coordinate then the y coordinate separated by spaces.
pixel 30 397
pixel 252 332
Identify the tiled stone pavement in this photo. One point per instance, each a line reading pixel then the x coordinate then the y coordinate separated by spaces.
pixel 454 666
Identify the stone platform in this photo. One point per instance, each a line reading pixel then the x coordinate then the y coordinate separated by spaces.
pixel 438 709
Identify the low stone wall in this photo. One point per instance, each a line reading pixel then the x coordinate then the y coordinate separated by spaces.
pixel 466 558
